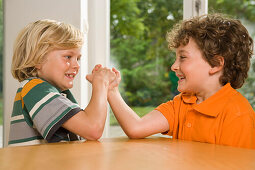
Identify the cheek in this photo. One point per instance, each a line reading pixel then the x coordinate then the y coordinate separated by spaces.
pixel 186 68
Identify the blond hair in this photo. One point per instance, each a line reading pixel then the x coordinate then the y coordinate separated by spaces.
pixel 36 40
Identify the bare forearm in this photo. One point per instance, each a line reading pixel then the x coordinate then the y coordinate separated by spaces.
pixel 96 110
pixel 126 117
pixel 89 123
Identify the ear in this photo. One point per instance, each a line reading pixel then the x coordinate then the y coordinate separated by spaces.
pixel 219 67
pixel 38 66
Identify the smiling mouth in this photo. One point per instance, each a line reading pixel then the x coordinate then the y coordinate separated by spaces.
pixel 181 79
pixel 70 75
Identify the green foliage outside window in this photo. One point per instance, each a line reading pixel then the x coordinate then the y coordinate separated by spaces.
pixel 139 48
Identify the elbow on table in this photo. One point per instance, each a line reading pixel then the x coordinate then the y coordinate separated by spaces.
pixel 134 133
pixel 94 136
pixel 95 133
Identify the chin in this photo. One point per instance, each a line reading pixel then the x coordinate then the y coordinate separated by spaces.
pixel 69 87
pixel 180 90
pixel 185 89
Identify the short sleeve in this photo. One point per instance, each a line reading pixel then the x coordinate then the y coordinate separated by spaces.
pixel 46 107
pixel 167 109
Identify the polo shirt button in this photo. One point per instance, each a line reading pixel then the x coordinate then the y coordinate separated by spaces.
pixel 188 125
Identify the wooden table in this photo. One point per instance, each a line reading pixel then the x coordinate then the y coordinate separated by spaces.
pixel 127 154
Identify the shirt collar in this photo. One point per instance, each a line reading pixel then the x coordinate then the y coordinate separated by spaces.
pixel 214 104
pixel 189 98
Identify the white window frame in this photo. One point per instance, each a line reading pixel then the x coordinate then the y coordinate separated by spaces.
pixel 193 8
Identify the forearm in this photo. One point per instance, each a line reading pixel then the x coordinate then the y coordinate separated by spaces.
pixel 127 118
pixel 96 110
pixel 90 122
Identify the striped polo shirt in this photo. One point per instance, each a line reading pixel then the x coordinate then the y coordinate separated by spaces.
pixel 39 111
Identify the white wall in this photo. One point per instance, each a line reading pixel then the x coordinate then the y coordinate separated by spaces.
pixel 18 13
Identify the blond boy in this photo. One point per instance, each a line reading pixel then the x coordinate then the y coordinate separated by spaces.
pixel 46 61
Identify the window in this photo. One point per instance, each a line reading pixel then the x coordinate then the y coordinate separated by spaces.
pixel 139 50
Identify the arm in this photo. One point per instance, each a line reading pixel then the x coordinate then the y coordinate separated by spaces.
pixel 90 122
pixel 134 126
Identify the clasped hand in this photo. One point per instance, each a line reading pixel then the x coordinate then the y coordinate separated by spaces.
pixel 110 77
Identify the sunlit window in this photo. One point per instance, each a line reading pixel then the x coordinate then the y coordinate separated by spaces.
pixel 139 50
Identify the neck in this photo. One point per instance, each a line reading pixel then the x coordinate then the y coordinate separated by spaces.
pixel 206 93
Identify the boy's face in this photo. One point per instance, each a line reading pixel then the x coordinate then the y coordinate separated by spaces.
pixel 191 68
pixel 60 67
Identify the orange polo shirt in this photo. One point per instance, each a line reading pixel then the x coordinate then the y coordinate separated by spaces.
pixel 225 118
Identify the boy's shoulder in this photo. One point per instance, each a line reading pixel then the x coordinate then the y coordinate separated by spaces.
pixel 239 104
pixel 233 104
pixel 232 101
pixel 38 88
pixel 32 80
pixel 37 84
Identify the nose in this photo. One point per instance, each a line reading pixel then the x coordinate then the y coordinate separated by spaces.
pixel 76 64
pixel 175 66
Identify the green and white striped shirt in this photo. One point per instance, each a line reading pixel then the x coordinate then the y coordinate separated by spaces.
pixel 39 111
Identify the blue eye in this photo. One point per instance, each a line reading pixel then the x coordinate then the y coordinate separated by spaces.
pixel 68 56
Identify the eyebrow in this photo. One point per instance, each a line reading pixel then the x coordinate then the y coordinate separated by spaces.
pixel 71 52
pixel 182 51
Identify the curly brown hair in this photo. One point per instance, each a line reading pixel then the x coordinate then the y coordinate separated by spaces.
pixel 217 35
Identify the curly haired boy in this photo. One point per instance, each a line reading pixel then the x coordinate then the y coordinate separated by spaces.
pixel 213 55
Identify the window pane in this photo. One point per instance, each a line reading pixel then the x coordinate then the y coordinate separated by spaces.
pixel 139 50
